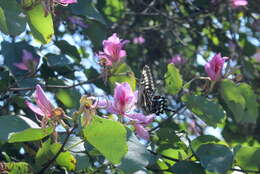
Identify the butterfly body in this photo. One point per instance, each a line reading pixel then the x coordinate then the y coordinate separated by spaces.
pixel 147 100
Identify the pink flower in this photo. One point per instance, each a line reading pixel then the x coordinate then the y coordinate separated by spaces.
pixel 124 99
pixel 66 1
pixel 214 67
pixel 138 40
pixel 177 60
pixel 257 56
pixel 112 50
pixel 29 63
pixel 77 21
pixel 238 3
pixel 139 121
pixel 44 106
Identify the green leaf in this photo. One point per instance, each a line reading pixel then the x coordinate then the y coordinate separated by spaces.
pixel 4 80
pixel 107 136
pixel 248 157
pixel 122 73
pixel 113 9
pixel 211 113
pixel 137 157
pixel 204 139
pixel 44 154
pixel 85 8
pixel 19 168
pixel 241 100
pixel 12 21
pixel 69 97
pixel 10 124
pixel 96 39
pixel 68 49
pixel 30 134
pixel 47 153
pixel 187 167
pixel 55 60
pixel 40 25
pixel 215 157
pixel 173 79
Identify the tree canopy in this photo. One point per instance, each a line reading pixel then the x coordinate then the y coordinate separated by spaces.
pixel 129 86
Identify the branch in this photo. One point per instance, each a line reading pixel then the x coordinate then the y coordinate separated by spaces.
pixel 55 86
pixel 58 153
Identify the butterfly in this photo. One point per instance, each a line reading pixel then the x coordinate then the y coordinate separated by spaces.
pixel 148 102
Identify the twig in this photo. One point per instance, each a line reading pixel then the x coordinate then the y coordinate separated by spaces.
pixel 55 86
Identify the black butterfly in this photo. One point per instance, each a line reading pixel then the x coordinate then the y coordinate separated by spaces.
pixel 147 100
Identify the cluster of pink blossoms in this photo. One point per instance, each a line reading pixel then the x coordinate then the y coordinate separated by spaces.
pixel 139 40
pixel 238 3
pixel 66 1
pixel 124 103
pixel 112 50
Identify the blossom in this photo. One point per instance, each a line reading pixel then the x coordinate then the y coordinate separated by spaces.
pixel 66 1
pixel 112 50
pixel 124 99
pixel 214 67
pixel 138 40
pixel 29 63
pixel 139 121
pixel 44 106
pixel 237 3
pixel 257 56
pixel 177 60
pixel 77 21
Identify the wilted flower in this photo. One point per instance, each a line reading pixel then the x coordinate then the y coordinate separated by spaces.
pixel 177 60
pixel 29 63
pixel 214 67
pixel 139 121
pixel 138 40
pixel 112 50
pixel 77 21
pixel 124 99
pixel 238 3
pixel 44 106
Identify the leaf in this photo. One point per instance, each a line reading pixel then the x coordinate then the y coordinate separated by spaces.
pixel 55 60
pixel 113 9
pixel 12 20
pixel 187 167
pixel 40 25
pixel 107 136
pixel 122 73
pixel 241 100
pixel 173 79
pixel 47 153
pixel 137 157
pixel 69 97
pixel 68 49
pixel 248 157
pixel 210 112
pixel 85 8
pixel 30 134
pixel 96 39
pixel 4 80
pixel 10 124
pixel 215 157
pixel 204 139
pixel 19 168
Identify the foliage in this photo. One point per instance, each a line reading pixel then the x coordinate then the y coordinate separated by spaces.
pixel 210 126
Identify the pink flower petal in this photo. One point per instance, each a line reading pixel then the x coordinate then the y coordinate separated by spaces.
pixel 27 56
pixel 34 108
pixel 21 66
pixel 141 131
pixel 42 101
